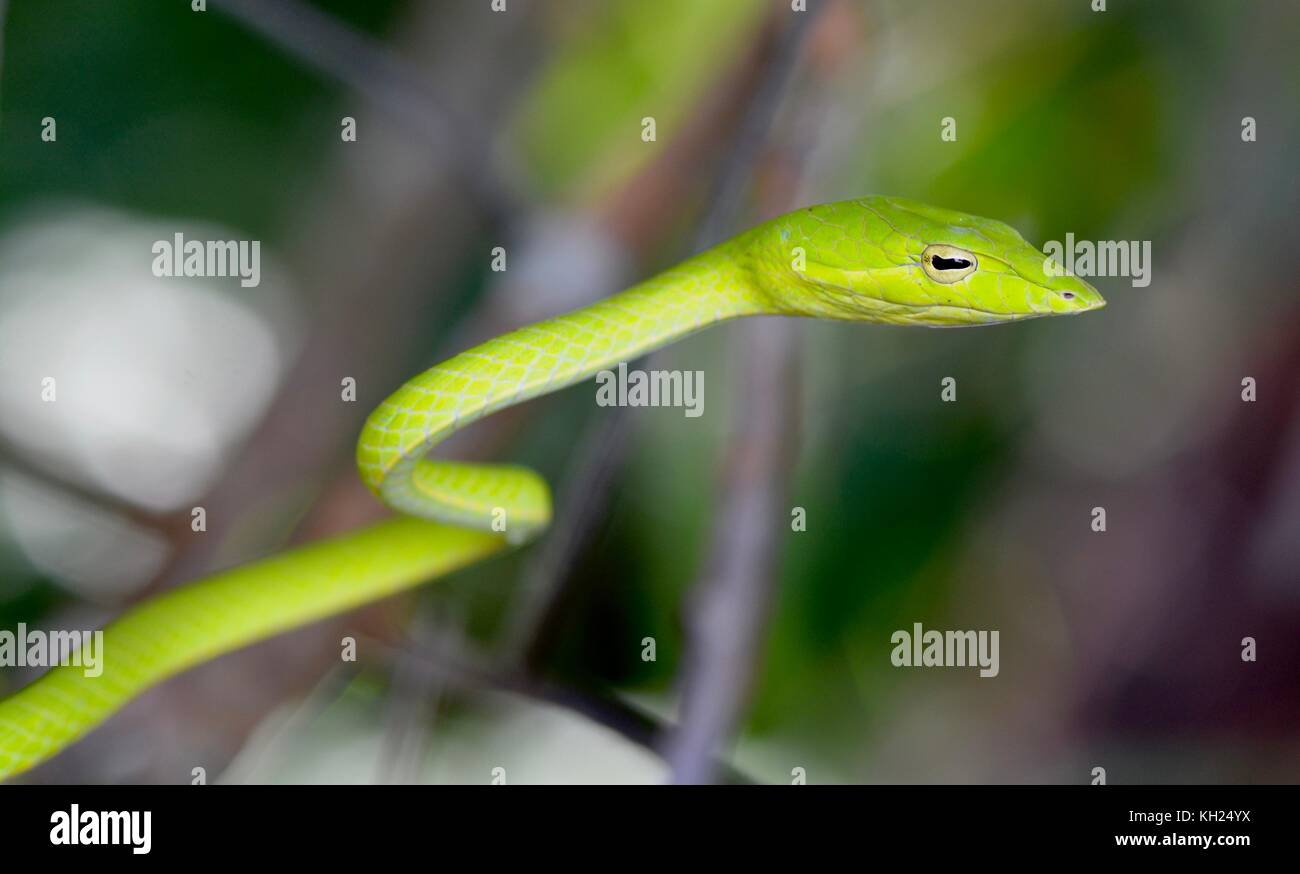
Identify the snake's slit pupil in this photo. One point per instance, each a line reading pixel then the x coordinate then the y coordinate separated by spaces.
pixel 941 263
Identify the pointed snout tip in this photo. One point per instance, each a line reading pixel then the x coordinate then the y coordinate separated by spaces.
pixel 1088 298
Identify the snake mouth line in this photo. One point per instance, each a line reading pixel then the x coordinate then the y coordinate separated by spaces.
pixel 997 317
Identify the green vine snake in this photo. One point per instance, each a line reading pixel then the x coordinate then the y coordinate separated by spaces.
pixel 875 259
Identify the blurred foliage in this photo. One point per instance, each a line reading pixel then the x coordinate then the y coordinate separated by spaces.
pixel 1080 95
pixel 163 110
pixel 616 62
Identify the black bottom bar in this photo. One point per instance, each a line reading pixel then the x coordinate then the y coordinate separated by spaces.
pixel 334 823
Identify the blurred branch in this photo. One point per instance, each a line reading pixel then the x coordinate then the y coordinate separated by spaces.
pixel 728 609
pixel 606 441
pixel 374 71
pixel 726 204
pixel 69 484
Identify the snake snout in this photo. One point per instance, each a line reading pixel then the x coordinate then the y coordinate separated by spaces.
pixel 1078 296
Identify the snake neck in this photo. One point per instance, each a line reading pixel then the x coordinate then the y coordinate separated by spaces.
pixel 535 360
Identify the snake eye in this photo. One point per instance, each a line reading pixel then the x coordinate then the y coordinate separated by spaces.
pixel 947 264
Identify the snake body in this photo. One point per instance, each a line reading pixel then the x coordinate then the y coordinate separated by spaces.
pixel 875 259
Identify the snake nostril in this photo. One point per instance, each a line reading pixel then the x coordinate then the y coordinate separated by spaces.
pixel 1068 295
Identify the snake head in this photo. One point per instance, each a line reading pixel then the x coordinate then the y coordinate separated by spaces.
pixel 884 259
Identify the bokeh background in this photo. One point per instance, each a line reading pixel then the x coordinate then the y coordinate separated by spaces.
pixel 522 129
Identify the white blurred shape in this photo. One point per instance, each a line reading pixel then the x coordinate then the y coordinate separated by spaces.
pixel 535 743
pixel 156 378
pixel 101 555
